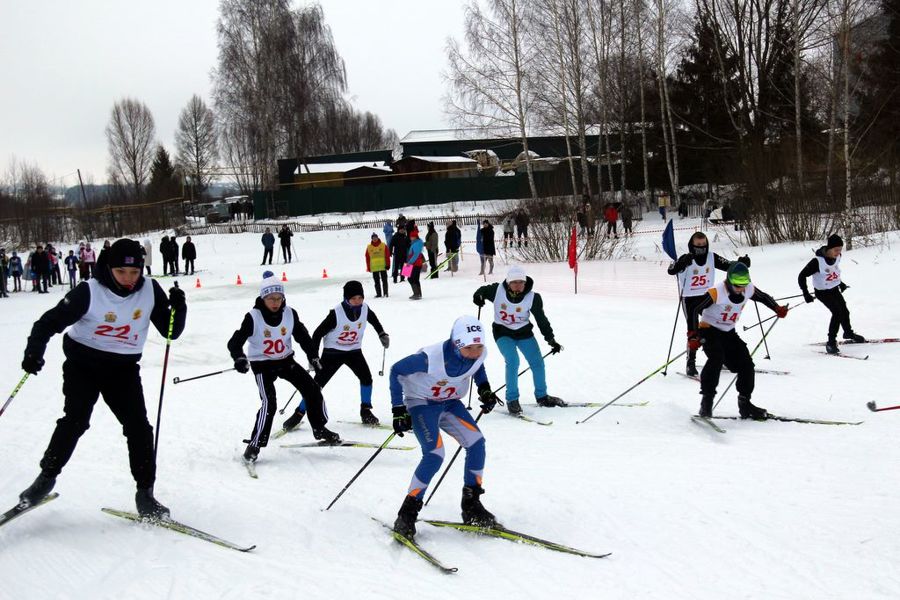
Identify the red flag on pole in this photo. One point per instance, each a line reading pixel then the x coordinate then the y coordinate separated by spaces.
pixel 573 255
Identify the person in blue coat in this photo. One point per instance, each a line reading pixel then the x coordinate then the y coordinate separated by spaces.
pixel 268 242
pixel 426 392
pixel 415 257
pixel 388 230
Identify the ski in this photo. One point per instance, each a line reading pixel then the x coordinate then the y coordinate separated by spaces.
pixel 842 355
pixel 708 422
pixel 413 545
pixel 851 342
pixel 771 372
pixel 694 377
pixel 345 444
pixel 515 536
pixel 178 528
pixel 375 426
pixel 772 417
pixel 19 509
pixel 597 404
pixel 524 417
pixel 283 432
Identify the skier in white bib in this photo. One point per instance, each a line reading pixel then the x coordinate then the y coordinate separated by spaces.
pixel 696 274
pixel 713 324
pixel 825 269
pixel 109 318
pixel 514 302
pixel 270 328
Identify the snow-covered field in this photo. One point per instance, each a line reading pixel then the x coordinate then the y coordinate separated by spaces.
pixel 768 510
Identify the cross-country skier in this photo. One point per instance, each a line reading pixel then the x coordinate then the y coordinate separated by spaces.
pixel 343 330
pixel 270 327
pixel 110 317
pixel 712 324
pixel 514 302
pixel 426 388
pixel 696 274
pixel 825 269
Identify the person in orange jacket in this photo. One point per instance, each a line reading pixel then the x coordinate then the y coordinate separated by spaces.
pixel 378 261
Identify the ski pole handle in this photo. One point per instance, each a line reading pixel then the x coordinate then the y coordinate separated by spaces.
pixel 179 380
pixel 14 392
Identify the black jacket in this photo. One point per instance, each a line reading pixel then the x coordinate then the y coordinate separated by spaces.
pixel 487 241
pixel 189 251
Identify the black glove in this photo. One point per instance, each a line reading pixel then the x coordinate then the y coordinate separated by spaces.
pixel 487 398
pixel 681 264
pixel 843 286
pixel 556 348
pixel 316 365
pixel 385 339
pixel 241 364
pixel 744 259
pixel 808 297
pixel 402 421
pixel 478 300
pixel 32 363
pixel 176 298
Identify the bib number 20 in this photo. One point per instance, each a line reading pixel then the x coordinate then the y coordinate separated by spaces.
pixel 273 347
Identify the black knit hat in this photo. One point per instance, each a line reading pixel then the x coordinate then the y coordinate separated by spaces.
pixel 125 253
pixel 353 288
pixel 834 241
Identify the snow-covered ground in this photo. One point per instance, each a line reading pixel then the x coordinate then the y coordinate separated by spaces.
pixel 768 510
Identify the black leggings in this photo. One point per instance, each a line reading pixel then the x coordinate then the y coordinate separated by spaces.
pixel 833 300
pixel 690 303
pixel 120 386
pixel 334 360
pixel 726 348
pixel 297 376
pixel 380 278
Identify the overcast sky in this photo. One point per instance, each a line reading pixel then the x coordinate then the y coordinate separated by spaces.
pixel 65 62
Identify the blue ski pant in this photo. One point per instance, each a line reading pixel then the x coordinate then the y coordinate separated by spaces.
pixel 452 417
pixel 510 348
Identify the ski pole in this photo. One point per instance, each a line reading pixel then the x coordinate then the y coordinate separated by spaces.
pixel 472 380
pixel 674 326
pixel 162 383
pixel 14 392
pixel 660 368
pixel 525 370
pixel 286 404
pixel 870 404
pixel 179 380
pixel 450 464
pixel 383 355
pixel 768 356
pixel 755 348
pixel 358 473
pixel 789 297
pixel 766 320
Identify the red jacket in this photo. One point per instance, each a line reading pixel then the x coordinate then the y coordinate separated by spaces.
pixel 611 214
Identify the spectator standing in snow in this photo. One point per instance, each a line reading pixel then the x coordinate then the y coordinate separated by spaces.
pixel 431 246
pixel 268 242
pixel 285 236
pixel 399 247
pixel 388 231
pixel 148 256
pixel 189 254
pixel 453 242
pixel 522 222
pixel 378 261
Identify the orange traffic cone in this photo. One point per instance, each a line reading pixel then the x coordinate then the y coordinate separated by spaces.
pixel 198 283
pixel 324 274
pixel 283 276
pixel 239 282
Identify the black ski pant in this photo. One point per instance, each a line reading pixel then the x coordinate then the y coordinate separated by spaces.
pixel 725 348
pixel 432 261
pixel 833 300
pixel 380 278
pixel 334 360
pixel 690 303
pixel 120 386
pixel 286 253
pixel 413 280
pixel 188 263
pixel 297 376
pixel 396 269
pixel 267 253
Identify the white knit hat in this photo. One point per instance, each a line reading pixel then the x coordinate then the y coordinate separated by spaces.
pixel 270 285
pixel 516 273
pixel 467 330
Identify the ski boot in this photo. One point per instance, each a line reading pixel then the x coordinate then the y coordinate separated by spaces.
pixel 365 413
pixel 326 435
pixel 831 347
pixel 550 401
pixel 148 506
pixel 513 407
pixel 706 405
pixel 749 411
pixel 38 490
pixel 854 337
pixel 691 369
pixel 473 513
pixel 293 421
pixel 405 524
pixel 251 453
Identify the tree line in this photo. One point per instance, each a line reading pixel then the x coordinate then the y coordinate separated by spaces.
pixel 788 108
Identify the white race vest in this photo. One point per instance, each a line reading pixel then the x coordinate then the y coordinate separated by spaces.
pixel 347 334
pixel 512 315
pixel 113 323
pixel 724 314
pixel 696 279
pixel 828 276
pixel 268 342
pixel 436 385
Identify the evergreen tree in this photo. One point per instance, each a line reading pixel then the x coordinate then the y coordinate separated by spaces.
pixel 880 104
pixel 164 182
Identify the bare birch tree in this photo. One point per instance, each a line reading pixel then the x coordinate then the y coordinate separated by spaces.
pixel 195 143
pixel 131 139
